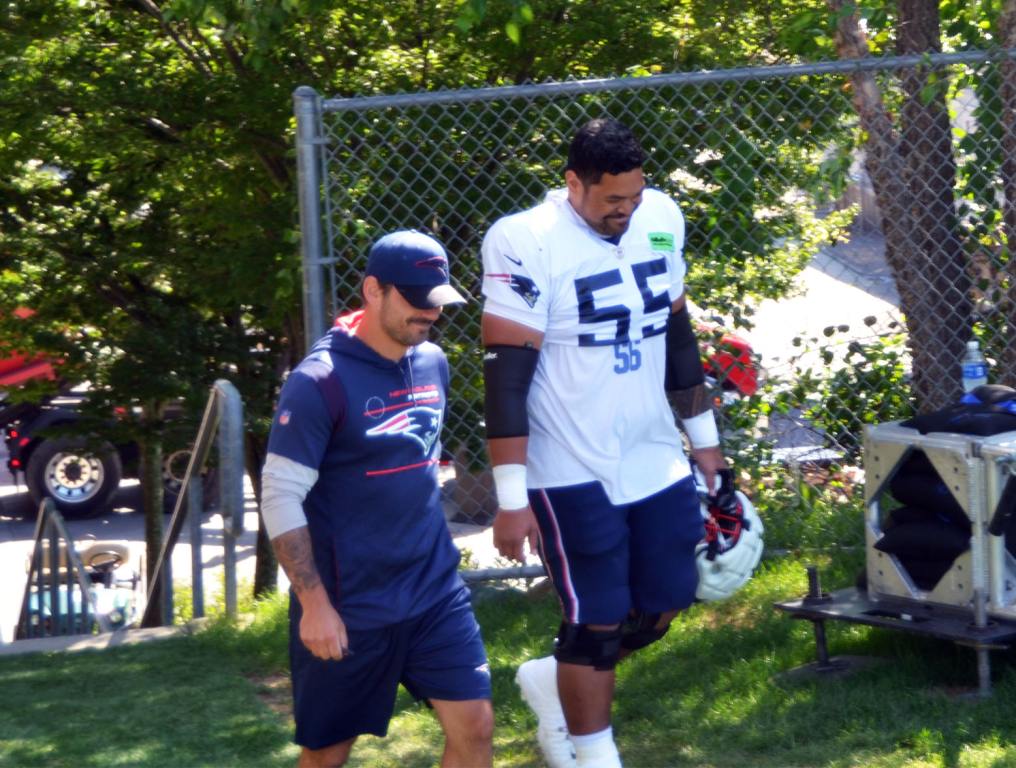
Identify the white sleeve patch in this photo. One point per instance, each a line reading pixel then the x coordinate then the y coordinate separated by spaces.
pixel 284 485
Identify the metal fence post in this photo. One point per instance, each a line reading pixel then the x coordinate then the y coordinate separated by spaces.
pixel 307 106
pixel 195 507
pixel 231 482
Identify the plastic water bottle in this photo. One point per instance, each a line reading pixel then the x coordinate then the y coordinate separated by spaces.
pixel 975 367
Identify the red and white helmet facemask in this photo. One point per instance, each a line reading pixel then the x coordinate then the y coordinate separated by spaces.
pixel 733 544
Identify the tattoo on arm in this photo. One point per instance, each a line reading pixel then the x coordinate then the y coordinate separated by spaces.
pixel 690 402
pixel 296 556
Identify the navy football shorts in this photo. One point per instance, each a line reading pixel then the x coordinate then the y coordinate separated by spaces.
pixel 605 559
pixel 436 655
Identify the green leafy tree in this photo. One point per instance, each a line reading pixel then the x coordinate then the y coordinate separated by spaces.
pixel 145 216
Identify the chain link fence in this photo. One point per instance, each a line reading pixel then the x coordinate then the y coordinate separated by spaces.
pixel 817 310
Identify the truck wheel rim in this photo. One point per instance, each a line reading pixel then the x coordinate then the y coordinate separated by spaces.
pixel 74 478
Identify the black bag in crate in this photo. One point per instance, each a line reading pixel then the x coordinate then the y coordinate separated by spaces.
pixel 987 410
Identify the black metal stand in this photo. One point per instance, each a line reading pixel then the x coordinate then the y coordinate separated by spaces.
pixel 963 627
pixel 816 597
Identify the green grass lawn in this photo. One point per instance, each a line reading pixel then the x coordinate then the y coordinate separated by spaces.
pixel 710 695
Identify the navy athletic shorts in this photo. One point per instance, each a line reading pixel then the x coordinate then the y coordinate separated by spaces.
pixel 436 655
pixel 605 559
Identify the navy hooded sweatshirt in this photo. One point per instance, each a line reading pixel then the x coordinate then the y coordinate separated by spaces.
pixel 371 428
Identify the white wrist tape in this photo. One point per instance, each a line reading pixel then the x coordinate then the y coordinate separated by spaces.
pixel 510 485
pixel 701 430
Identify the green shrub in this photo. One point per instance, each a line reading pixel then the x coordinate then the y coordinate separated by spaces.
pixel 870 386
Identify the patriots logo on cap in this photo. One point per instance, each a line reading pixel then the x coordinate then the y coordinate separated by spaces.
pixel 434 262
pixel 419 424
pixel 522 285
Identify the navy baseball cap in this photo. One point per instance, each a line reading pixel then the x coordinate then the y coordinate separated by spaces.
pixel 417 265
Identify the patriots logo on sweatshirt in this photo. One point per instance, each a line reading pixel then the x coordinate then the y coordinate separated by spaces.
pixel 419 424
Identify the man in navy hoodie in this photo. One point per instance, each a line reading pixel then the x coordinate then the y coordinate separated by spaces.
pixel 352 504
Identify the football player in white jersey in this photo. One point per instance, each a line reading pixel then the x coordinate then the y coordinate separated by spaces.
pixel 586 332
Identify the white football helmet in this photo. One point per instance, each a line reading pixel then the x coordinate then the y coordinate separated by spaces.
pixel 733 544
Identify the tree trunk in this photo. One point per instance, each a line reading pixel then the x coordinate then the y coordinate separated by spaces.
pixel 921 250
pixel 152 495
pixel 1006 371
pixel 266 567
pixel 943 282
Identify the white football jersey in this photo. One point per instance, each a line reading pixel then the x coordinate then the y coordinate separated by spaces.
pixel 597 406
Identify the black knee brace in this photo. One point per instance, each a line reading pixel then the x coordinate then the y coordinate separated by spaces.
pixel 596 648
pixel 639 630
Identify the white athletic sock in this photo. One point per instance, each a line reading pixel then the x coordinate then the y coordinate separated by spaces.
pixel 596 750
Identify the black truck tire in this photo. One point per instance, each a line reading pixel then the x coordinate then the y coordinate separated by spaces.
pixel 81 477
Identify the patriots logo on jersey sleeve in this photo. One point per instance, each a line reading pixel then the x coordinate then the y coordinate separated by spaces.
pixel 522 285
pixel 419 424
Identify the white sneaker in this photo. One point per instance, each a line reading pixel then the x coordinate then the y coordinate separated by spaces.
pixel 537 679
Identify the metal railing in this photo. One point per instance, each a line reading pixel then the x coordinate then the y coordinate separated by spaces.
pixel 223 417
pixel 58 598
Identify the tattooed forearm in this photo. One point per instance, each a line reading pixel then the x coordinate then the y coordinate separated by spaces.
pixel 296 557
pixel 690 402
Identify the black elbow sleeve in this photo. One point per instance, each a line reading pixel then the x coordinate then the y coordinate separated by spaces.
pixel 507 374
pixel 684 363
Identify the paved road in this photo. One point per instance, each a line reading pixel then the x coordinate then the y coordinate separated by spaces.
pixel 842 286
pixel 847 286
